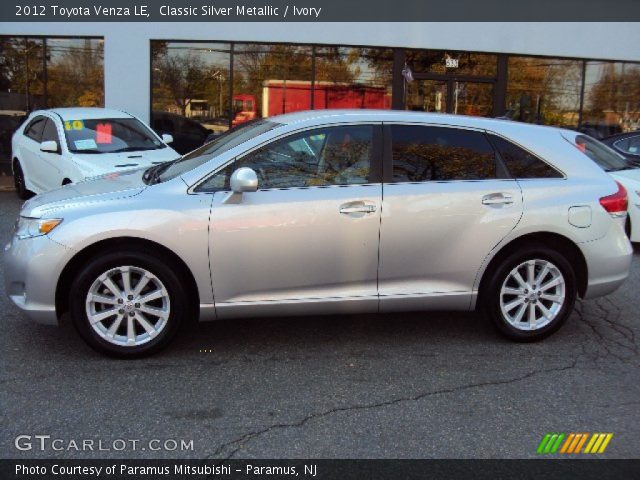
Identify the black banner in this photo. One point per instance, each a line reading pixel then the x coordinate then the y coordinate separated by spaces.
pixel 562 469
pixel 319 11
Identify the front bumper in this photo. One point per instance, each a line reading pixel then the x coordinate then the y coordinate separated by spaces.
pixel 32 267
pixel 608 261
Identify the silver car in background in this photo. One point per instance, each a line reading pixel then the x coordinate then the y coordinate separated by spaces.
pixel 327 212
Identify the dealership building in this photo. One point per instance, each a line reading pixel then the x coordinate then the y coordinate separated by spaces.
pixel 189 79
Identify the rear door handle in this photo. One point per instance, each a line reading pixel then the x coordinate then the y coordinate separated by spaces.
pixel 497 199
pixel 357 208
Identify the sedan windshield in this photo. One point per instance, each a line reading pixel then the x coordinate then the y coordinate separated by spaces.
pixel 223 143
pixel 608 159
pixel 109 135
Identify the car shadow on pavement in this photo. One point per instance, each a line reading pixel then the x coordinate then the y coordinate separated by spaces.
pixel 421 330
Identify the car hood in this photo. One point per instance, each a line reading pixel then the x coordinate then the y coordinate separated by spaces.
pixel 101 163
pixel 112 186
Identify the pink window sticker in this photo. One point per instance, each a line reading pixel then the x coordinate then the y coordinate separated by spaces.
pixel 103 133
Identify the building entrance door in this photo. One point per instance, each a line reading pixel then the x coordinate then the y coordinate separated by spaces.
pixel 450 95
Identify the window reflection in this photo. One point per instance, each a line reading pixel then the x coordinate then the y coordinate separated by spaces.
pixel 75 72
pixel 270 80
pixel 190 91
pixel 611 98
pixel 544 90
pixel 353 78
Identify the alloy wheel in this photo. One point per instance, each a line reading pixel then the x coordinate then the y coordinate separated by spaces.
pixel 128 306
pixel 532 295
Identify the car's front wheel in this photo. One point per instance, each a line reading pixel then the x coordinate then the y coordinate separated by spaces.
pixel 127 304
pixel 531 293
pixel 18 181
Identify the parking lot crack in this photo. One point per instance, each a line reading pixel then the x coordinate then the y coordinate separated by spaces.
pixel 235 445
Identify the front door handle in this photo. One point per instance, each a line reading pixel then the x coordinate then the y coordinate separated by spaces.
pixel 497 199
pixel 357 208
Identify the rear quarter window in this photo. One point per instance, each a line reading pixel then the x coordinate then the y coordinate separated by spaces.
pixel 522 164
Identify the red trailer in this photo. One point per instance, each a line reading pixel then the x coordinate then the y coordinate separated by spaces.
pixel 280 96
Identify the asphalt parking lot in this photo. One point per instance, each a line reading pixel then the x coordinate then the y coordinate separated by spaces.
pixel 418 385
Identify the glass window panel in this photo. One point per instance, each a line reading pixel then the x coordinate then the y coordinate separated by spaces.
pixel 75 72
pixel 520 163
pixel 427 96
pixel 437 154
pixel 353 77
pixel 190 91
pixel 544 90
pixel 611 98
pixel 21 75
pixel 315 158
pixel 270 80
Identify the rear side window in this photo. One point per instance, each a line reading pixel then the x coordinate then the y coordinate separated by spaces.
pixel 522 164
pixel 34 129
pixel 426 153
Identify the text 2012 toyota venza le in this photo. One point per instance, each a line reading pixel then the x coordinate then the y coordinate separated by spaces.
pixel 327 212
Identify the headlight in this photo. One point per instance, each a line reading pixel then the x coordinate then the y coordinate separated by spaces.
pixel 34 227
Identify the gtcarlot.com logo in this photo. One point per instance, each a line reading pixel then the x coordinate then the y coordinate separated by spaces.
pixel 47 442
pixel 573 443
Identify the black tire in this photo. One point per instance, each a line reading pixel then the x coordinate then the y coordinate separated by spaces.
pixel 627 227
pixel 18 181
pixel 172 282
pixel 491 294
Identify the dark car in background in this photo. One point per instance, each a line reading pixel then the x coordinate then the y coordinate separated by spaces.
pixel 8 125
pixel 187 133
pixel 626 144
pixel 600 130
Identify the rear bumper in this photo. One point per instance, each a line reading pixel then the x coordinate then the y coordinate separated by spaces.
pixel 32 267
pixel 608 261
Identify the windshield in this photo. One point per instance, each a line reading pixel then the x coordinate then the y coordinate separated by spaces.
pixel 109 135
pixel 223 143
pixel 605 157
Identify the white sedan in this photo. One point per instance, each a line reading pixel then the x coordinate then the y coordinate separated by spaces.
pixel 624 171
pixel 66 145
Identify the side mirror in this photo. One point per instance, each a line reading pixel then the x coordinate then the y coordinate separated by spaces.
pixel 49 146
pixel 166 138
pixel 243 180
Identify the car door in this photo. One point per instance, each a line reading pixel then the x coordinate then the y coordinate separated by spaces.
pixel 30 154
pixel 51 165
pixel 447 201
pixel 307 240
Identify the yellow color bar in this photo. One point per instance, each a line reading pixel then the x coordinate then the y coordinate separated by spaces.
pixel 606 441
pixel 599 440
pixel 594 437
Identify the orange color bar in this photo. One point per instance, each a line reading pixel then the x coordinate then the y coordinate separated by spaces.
pixel 581 443
pixel 567 443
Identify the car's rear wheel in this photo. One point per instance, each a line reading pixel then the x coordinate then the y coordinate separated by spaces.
pixel 18 181
pixel 531 293
pixel 127 304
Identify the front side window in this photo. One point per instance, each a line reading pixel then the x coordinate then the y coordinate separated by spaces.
pixel 50 133
pixel 426 153
pixel 34 129
pixel 629 145
pixel 520 163
pixel 339 155
pixel 109 135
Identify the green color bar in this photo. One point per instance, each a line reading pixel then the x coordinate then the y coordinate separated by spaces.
pixel 543 443
pixel 550 443
pixel 555 447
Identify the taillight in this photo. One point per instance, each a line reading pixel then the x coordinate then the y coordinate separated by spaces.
pixel 617 203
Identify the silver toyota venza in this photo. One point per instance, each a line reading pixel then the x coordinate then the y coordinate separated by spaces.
pixel 327 212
